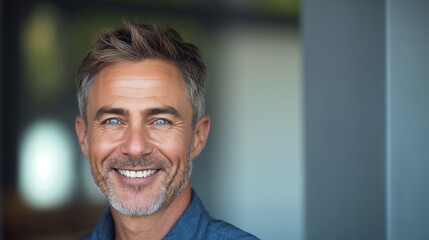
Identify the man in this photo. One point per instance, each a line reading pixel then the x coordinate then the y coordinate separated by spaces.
pixel 141 102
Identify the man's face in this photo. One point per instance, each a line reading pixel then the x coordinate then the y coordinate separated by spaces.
pixel 139 136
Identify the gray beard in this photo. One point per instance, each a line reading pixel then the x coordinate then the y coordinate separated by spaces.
pixel 163 198
pixel 160 202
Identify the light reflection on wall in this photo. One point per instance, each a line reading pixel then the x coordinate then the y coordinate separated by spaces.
pixel 46 168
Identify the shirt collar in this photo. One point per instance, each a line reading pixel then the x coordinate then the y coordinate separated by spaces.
pixel 105 228
pixel 189 226
pixel 192 222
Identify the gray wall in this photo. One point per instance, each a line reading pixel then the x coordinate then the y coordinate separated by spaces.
pixel 344 62
pixel 251 172
pixel 408 119
pixel 366 70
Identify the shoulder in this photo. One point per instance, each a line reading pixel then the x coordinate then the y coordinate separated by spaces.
pixel 104 228
pixel 218 229
pixel 196 223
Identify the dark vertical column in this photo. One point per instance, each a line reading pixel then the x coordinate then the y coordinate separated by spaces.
pixel 344 72
pixel 10 90
pixel 1 114
pixel 408 119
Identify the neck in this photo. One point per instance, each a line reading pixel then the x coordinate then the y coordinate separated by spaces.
pixel 154 226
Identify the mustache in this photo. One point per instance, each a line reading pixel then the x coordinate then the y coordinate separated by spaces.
pixel 141 162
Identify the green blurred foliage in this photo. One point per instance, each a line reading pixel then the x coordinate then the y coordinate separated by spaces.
pixel 43 64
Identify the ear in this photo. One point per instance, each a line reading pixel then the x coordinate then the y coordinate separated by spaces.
pixel 201 133
pixel 80 127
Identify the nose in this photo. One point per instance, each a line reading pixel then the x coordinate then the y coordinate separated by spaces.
pixel 137 142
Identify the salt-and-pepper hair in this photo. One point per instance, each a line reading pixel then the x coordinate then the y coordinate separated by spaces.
pixel 137 42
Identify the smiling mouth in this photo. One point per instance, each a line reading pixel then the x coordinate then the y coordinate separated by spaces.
pixel 136 174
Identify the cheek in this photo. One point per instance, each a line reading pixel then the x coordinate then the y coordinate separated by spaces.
pixel 102 144
pixel 173 145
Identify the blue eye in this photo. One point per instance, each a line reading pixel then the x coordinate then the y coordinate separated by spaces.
pixel 160 121
pixel 112 121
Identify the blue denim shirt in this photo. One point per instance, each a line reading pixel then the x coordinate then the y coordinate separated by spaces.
pixel 194 224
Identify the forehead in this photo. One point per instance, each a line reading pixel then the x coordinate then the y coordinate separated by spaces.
pixel 151 79
pixel 148 74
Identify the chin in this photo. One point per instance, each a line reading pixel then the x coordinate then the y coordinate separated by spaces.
pixel 135 204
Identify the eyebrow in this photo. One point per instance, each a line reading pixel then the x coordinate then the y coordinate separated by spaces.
pixel 163 110
pixel 109 110
pixel 149 112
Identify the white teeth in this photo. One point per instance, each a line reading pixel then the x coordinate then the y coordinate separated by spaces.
pixel 136 174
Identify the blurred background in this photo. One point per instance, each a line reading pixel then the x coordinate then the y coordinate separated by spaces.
pixel 319 114
pixel 249 174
